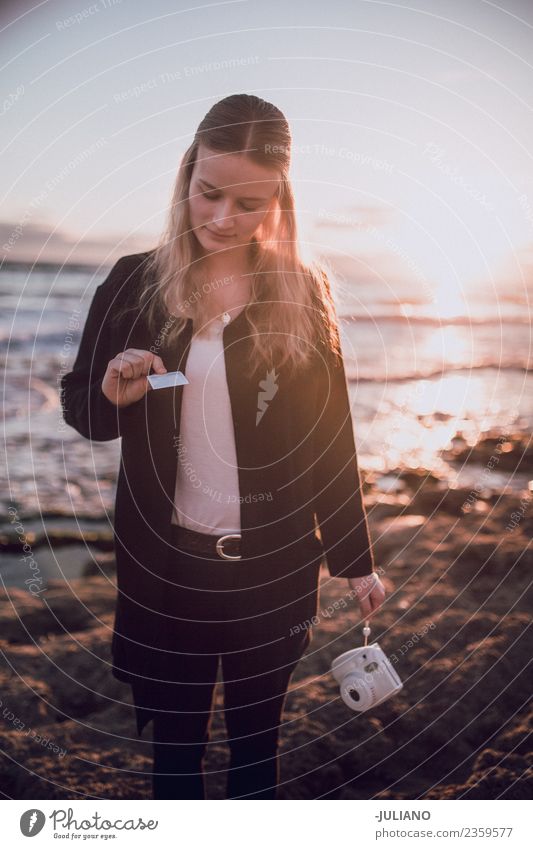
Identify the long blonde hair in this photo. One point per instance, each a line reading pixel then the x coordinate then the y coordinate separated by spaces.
pixel 291 308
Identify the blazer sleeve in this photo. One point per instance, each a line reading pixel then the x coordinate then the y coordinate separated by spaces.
pixel 84 405
pixel 338 497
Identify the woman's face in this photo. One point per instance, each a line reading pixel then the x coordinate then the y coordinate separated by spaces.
pixel 229 198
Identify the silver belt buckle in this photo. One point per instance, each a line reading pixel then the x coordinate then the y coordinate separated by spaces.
pixel 220 550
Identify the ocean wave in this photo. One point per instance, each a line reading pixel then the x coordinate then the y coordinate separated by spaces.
pixel 432 321
pixel 432 374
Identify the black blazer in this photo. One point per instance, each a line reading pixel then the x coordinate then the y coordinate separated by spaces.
pixel 299 461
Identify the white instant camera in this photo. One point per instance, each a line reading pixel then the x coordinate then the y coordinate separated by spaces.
pixel 366 676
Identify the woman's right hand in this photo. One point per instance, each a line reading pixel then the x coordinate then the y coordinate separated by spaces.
pixel 125 380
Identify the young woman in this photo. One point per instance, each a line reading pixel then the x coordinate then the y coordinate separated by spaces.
pixel 224 481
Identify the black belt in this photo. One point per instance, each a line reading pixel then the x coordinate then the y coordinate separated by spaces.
pixel 227 546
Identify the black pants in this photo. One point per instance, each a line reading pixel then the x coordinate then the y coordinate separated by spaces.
pixel 220 613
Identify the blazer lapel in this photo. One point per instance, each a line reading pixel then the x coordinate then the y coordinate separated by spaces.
pixel 251 449
pixel 163 411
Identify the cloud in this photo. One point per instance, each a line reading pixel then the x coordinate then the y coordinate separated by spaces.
pixel 30 242
pixel 381 268
pixel 351 217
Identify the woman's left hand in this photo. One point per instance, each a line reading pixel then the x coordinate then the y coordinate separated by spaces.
pixel 370 593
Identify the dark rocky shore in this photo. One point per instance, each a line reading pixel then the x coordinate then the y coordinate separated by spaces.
pixel 457 567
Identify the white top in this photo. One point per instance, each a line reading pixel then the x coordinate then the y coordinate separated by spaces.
pixel 207 492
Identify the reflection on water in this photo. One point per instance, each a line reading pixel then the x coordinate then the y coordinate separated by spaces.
pixel 411 423
pixel 415 382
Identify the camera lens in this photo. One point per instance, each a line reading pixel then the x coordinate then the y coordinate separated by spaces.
pixel 356 693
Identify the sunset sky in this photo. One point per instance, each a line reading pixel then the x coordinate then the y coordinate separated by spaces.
pixel 412 127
